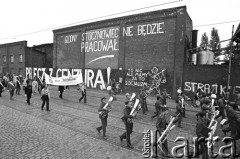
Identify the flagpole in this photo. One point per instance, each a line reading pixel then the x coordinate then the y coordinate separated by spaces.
pixel 230 60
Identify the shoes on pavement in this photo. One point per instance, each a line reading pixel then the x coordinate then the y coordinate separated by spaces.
pixel 121 139
pixel 48 110
pixel 98 130
pixel 130 146
pixel 104 137
pixel 180 126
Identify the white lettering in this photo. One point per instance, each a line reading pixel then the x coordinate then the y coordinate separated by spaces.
pixel 50 70
pixel 34 72
pixel 63 72
pixel 214 86
pixel 128 31
pixel 193 86
pixel 222 89
pixel 57 73
pixel 88 78
pixel 187 86
pixel 200 86
pixel 99 80
pixel 207 88
pixel 150 29
pixel 70 38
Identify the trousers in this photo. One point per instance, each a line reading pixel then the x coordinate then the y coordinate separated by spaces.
pixel 104 125
pixel 45 100
pixel 126 135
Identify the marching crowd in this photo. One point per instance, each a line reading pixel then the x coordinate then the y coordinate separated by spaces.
pixel 211 109
pixel 14 84
pixel 228 110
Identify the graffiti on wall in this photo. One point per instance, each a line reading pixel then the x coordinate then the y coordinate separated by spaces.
pixel 207 88
pixel 101 47
pixel 136 77
pixel 99 78
pixel 158 77
pixel 144 78
pixel 93 78
pixel 144 29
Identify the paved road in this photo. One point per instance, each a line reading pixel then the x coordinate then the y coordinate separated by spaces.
pixel 69 129
pixel 28 132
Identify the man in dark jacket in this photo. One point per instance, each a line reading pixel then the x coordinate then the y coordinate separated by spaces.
pixel 202 132
pixel 179 111
pixel 143 98
pixel 233 116
pixel 158 106
pixel 28 92
pixel 165 95
pixel 221 104
pixel 181 99
pixel 204 100
pixel 127 119
pixel 103 115
pixel 61 89
pixel 161 125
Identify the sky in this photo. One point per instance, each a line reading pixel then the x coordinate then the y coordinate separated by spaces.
pixel 34 20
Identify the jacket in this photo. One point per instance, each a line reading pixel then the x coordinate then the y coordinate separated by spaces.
pixel 61 88
pixel 10 86
pixel 126 115
pixel 201 129
pixel 161 123
pixel 28 90
pixel 103 113
pixel 179 108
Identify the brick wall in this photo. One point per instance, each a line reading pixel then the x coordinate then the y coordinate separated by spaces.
pixel 68 50
pixel 146 51
pixel 138 47
pixel 48 50
pixel 4 65
pixel 35 58
pixel 211 77
pixel 13 50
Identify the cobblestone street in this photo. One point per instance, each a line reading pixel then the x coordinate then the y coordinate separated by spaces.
pixel 28 132
pixel 69 129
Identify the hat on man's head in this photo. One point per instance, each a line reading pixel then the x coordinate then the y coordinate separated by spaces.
pixel 213 96
pixel 127 94
pixel 103 98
